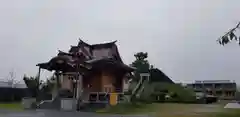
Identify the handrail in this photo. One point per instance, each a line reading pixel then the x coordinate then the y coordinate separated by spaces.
pixel 139 83
pixel 139 88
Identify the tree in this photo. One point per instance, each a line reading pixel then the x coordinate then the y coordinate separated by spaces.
pixel 44 87
pixel 141 55
pixel 230 35
pixel 48 86
pixel 31 83
pixel 141 64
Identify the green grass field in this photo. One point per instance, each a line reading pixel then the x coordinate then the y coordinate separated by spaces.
pixel 160 109
pixel 174 110
pixel 12 106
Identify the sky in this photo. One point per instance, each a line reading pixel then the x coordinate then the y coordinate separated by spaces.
pixel 179 35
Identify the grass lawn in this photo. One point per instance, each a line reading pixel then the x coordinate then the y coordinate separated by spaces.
pixel 128 109
pixel 14 106
pixel 227 113
pixel 174 110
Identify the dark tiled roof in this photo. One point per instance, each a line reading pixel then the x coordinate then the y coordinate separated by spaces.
pixel 109 60
pixel 97 59
pixel 103 45
pixel 158 76
pixel 73 49
pixel 71 57
pixel 62 62
pixel 63 53
pixel 93 46
pixel 81 42
pixel 96 46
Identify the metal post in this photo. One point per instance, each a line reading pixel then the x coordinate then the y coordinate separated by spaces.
pixel 38 84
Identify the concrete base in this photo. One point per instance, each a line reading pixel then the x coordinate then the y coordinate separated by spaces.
pixel 27 102
pixel 68 104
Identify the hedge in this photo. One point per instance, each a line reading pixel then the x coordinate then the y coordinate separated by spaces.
pixel 156 92
pixel 12 94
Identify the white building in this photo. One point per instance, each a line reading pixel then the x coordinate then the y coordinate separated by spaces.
pixel 8 84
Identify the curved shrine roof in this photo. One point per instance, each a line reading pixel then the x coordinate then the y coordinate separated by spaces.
pixel 67 61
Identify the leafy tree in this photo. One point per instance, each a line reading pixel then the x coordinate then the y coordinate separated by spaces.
pixel 48 86
pixel 32 84
pixel 230 35
pixel 141 64
pixel 44 87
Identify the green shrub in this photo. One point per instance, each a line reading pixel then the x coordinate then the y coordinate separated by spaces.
pixel 156 92
pixel 158 97
pixel 129 92
pixel 176 92
pixel 146 94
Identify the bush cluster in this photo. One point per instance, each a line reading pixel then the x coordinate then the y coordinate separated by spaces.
pixel 166 92
pixel 12 94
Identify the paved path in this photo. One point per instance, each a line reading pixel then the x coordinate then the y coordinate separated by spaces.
pixel 52 113
pixel 206 108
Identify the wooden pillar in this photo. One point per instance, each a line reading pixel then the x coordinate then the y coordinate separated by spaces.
pixel 79 86
pixel 58 80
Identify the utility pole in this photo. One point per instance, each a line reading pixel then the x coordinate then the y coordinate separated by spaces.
pixel 38 84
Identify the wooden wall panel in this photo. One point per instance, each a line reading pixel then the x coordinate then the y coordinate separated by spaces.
pixel 66 83
pixel 95 83
pixel 108 81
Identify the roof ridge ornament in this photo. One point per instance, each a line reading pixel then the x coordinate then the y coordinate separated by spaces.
pixel 82 42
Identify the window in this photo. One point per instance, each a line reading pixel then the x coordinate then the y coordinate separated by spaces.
pixel 70 77
pixel 103 97
pixel 107 88
pixel 93 97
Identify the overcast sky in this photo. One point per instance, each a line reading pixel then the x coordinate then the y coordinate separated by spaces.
pixel 179 35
